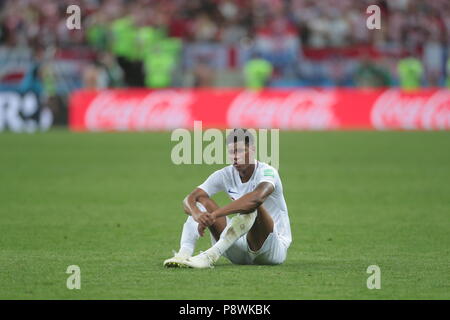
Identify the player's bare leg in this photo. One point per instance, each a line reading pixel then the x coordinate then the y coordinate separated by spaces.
pixel 262 227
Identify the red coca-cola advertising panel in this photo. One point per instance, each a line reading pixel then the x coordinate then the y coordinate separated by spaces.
pixel 299 109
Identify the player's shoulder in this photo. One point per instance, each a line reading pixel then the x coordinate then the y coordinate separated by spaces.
pixel 266 169
pixel 265 165
pixel 225 171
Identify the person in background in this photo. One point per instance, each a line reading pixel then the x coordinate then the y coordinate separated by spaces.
pixel 50 96
pixel 124 40
pixel 91 76
pixel 159 66
pixel 204 74
pixel 104 72
pixel 410 72
pixel 448 73
pixel 257 71
pixel 32 77
pixel 370 74
pixel 111 75
pixel 433 53
pixel 97 31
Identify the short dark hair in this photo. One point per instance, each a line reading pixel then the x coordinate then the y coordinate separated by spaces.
pixel 241 135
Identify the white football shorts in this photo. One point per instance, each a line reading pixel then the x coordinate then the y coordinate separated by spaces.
pixel 272 252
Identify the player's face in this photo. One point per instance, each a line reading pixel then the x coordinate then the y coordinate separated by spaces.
pixel 240 155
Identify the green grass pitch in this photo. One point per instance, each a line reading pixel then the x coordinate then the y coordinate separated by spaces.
pixel 111 204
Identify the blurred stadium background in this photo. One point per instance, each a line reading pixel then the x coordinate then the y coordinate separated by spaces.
pixel 110 202
pixel 217 43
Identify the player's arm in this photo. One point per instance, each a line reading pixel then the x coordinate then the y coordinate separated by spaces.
pixel 248 202
pixel 190 206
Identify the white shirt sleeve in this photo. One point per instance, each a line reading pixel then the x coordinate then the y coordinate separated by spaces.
pixel 267 175
pixel 213 184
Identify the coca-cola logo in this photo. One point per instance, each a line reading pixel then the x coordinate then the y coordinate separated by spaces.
pixel 301 109
pixel 397 110
pixel 158 110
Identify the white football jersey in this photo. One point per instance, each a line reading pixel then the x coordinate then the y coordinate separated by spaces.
pixel 227 179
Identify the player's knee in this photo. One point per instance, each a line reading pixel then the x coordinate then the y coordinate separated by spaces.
pixel 209 204
pixel 183 204
pixel 201 207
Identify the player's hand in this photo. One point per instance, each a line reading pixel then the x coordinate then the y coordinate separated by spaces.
pixel 205 218
pixel 201 229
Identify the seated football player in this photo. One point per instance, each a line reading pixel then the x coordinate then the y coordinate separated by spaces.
pixel 260 231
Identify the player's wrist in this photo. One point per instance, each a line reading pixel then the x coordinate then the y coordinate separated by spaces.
pixel 218 213
pixel 196 213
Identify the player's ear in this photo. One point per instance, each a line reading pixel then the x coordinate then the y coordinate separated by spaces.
pixel 252 148
pixel 251 153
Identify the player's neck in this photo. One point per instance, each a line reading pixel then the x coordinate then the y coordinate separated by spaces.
pixel 247 173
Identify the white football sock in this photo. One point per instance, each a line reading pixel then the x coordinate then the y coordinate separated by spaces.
pixel 238 226
pixel 189 235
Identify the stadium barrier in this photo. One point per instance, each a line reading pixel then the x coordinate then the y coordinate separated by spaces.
pixel 287 109
pixel 21 111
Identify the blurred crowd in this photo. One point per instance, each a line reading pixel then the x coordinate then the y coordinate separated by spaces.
pixel 280 42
